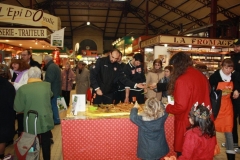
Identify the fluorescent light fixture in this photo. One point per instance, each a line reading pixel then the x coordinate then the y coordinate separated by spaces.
pixel 88 23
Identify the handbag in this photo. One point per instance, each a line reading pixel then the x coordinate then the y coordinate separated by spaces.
pixel 215 97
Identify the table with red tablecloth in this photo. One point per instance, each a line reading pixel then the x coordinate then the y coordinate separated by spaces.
pixel 105 138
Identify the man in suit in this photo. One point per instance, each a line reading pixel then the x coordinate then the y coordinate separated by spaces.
pixel 26 55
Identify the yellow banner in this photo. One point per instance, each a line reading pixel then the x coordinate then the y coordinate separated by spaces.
pixel 30 17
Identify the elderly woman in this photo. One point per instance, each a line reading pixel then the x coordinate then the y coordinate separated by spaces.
pixel 36 95
pixel 68 77
pixel 19 77
pixel 7 113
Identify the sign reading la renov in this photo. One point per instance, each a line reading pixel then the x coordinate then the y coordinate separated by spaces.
pixel 23 32
pixel 25 16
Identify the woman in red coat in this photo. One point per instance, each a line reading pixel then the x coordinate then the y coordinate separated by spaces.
pixel 188 86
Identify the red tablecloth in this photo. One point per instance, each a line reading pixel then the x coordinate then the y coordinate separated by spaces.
pixel 104 139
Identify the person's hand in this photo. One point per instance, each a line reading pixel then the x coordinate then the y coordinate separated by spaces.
pixel 136 105
pixel 99 92
pixel 145 90
pixel 140 85
pixel 235 94
pixel 152 86
pixel 126 100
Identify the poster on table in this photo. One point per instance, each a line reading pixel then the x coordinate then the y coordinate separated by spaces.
pixel 78 103
pixel 57 38
pixel 61 103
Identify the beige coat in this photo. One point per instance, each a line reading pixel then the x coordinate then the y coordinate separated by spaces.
pixel 154 78
pixel 82 81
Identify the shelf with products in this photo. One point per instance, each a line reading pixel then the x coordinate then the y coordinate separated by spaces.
pixel 211 59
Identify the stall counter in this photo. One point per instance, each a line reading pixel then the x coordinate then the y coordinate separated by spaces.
pixel 104 137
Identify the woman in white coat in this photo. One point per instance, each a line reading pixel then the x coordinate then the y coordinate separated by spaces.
pixel 19 77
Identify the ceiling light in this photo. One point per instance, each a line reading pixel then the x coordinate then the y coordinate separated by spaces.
pixel 88 23
pixel 190 46
pixel 30 47
pixel 20 44
pixel 6 40
pixel 213 47
pixel 165 45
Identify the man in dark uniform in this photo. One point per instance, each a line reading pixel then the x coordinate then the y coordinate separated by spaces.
pixel 119 94
pixel 104 76
pixel 135 72
pixel 236 102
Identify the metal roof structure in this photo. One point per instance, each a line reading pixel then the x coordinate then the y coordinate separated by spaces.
pixel 118 18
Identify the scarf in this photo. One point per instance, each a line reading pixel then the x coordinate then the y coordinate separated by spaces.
pixel 19 75
pixel 30 80
pixel 225 78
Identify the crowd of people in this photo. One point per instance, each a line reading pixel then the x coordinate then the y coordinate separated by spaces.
pixel 24 88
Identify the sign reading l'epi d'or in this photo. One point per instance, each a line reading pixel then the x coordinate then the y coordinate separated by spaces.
pixel 24 32
pixel 161 39
pixel 30 17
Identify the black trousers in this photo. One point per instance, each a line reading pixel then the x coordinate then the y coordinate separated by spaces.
pixel 19 117
pixel 236 113
pixel 66 95
pixel 45 142
pixel 139 96
pixel 119 96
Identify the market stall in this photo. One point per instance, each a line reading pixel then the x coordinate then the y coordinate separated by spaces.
pixel 202 50
pixel 104 135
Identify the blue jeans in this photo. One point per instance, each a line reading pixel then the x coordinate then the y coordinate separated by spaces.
pixel 56 118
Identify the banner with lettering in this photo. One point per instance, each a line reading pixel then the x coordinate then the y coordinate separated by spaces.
pixel 26 16
pixel 57 38
pixel 23 32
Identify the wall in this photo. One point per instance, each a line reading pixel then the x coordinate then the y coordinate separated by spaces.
pixel 91 33
pixel 161 50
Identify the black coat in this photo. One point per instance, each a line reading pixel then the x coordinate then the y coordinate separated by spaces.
pixel 7 113
pixel 106 75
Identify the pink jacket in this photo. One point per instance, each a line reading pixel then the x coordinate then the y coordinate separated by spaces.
pixel 67 85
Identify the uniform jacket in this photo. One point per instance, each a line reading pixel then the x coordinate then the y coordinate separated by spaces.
pixel 135 74
pixel 67 74
pixel 33 63
pixel 82 81
pixel 152 143
pixel 106 75
pixel 36 96
pixel 197 147
pixel 190 87
pixel 53 76
pixel 7 113
pixel 22 81
pixel 153 78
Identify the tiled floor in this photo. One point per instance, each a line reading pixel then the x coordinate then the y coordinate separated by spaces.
pixel 56 150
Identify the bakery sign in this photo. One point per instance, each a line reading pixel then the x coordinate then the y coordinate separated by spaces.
pixel 150 42
pixel 26 16
pixel 24 32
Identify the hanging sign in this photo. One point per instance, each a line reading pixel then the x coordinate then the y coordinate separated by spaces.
pixel 26 16
pixel 23 32
pixel 57 38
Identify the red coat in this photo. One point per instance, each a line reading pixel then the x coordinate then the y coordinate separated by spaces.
pixel 191 87
pixel 197 147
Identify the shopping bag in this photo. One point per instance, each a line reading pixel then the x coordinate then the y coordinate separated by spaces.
pixel 61 103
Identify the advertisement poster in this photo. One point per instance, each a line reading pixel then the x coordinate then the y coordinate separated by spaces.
pixel 57 38
pixel 78 103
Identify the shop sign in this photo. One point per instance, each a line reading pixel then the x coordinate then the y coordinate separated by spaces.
pixel 26 16
pixel 195 41
pixel 150 42
pixel 23 32
pixel 57 38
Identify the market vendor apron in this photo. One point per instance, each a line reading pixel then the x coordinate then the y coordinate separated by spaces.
pixel 224 120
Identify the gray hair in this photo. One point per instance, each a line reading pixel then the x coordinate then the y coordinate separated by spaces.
pixel 34 72
pixel 48 58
